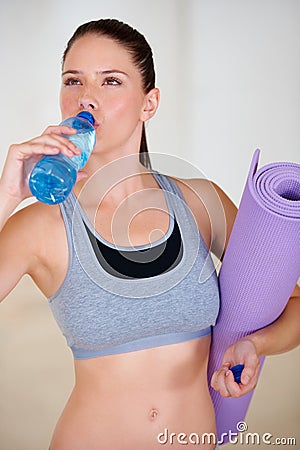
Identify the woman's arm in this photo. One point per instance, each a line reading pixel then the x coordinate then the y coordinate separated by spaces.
pixel 284 334
pixel 18 241
pixel 17 244
pixel 8 205
pixel 281 336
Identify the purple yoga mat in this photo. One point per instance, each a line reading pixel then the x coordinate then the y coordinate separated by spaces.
pixel 260 269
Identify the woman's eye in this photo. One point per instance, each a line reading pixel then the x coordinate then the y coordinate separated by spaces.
pixel 72 82
pixel 112 81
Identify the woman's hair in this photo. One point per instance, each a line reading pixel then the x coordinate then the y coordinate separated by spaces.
pixel 136 44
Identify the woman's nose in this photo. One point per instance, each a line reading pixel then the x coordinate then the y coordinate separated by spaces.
pixel 88 101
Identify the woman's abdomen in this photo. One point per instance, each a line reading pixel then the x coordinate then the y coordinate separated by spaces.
pixel 143 400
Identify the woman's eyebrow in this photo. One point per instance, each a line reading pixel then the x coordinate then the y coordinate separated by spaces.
pixel 100 72
pixel 73 72
pixel 107 72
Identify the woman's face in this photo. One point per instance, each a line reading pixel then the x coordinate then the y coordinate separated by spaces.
pixel 99 76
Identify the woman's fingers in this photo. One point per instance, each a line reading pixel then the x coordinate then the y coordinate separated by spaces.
pixel 223 381
pixel 59 129
pixel 218 381
pixel 46 142
pixel 43 145
pixel 22 157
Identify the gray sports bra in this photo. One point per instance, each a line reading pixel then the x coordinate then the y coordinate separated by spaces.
pixel 102 314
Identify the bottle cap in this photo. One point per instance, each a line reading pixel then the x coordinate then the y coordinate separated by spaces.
pixel 87 115
pixel 237 371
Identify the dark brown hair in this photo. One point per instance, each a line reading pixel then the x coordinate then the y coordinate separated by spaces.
pixel 136 44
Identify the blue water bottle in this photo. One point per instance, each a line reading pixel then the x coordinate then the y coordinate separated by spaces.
pixel 54 176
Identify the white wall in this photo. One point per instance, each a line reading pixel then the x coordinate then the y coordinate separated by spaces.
pixel 244 85
pixel 33 36
pixel 228 72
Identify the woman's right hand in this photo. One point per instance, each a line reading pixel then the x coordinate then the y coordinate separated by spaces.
pixel 21 159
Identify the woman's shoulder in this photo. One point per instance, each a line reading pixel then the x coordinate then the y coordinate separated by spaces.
pixel 33 242
pixel 33 230
pixel 212 208
pixel 204 193
pixel 35 218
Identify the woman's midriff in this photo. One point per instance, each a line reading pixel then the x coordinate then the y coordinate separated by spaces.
pixel 145 400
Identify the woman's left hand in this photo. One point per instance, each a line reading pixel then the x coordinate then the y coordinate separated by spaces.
pixel 241 352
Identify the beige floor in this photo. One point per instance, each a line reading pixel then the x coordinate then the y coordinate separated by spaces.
pixel 36 378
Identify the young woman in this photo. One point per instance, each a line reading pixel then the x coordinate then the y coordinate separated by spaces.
pixel 122 258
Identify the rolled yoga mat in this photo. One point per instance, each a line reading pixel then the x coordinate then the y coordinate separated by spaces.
pixel 260 269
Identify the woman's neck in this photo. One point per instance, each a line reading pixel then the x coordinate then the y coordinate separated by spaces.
pixel 113 181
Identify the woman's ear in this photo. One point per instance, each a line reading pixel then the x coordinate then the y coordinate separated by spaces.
pixel 151 103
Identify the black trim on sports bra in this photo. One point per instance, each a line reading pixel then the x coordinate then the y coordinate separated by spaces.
pixel 144 263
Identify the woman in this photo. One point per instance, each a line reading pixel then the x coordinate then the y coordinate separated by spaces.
pixel 120 266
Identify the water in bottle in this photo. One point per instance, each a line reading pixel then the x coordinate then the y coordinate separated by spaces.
pixel 54 176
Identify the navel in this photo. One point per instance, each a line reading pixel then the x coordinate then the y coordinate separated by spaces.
pixel 153 414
